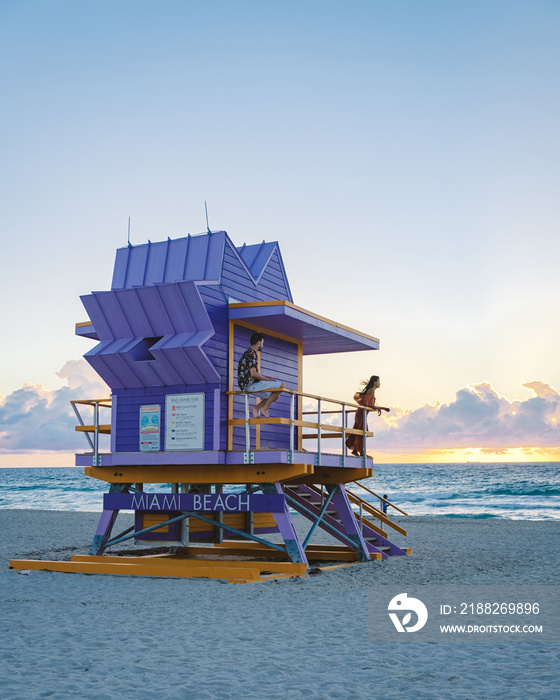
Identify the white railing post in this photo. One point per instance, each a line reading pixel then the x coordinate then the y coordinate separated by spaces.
pixel 319 431
pixel 343 435
pixel 364 455
pixel 292 418
pixel 247 426
pixel 96 434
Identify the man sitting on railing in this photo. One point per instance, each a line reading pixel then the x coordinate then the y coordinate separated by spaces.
pixel 250 379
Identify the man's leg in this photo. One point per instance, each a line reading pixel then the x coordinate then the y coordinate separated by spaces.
pixel 263 406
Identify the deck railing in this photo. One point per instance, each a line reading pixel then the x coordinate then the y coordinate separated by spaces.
pixel 319 430
pixel 97 427
pixel 324 431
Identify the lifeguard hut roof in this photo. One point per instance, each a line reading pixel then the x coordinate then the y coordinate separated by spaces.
pixel 198 258
pixel 317 334
pixel 164 321
pixel 201 258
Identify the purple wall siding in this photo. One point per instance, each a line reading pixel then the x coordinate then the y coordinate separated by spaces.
pixel 237 283
pixel 127 414
pixel 236 280
pixel 265 263
pixel 279 360
pixel 273 279
pixel 217 348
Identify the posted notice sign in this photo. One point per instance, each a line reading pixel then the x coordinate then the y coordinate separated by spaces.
pixel 150 428
pixel 184 422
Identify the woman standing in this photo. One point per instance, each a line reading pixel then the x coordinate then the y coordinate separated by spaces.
pixel 366 398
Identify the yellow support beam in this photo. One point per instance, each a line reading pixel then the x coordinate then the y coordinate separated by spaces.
pixel 178 561
pixel 105 429
pixel 331 430
pixel 335 475
pixel 205 473
pixel 139 566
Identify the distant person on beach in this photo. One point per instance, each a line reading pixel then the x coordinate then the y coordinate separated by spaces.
pixel 366 398
pixel 250 379
pixel 384 504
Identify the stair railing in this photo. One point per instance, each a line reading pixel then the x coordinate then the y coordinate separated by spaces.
pixel 384 500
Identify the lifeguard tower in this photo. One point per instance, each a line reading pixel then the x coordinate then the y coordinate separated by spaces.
pixel 214 486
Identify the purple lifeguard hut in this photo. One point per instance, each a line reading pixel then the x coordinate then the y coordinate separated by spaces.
pixel 170 333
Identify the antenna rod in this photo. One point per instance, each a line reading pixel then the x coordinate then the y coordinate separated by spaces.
pixel 129 244
pixel 206 210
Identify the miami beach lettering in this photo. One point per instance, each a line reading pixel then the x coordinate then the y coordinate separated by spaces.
pixel 230 502
pixel 200 501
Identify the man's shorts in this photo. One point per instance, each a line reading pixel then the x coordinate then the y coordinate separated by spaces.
pixel 261 386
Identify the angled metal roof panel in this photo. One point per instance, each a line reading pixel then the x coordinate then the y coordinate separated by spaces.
pixel 129 354
pixel 133 308
pixel 135 265
pixel 175 262
pixel 109 361
pixel 195 264
pixel 86 330
pixel 215 257
pixel 191 364
pixel 155 263
pixel 192 258
pixel 256 256
pixel 155 310
pixel 107 316
pixel 178 308
pixel 96 316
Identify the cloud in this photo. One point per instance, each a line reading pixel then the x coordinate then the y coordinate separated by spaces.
pixel 37 419
pixel 34 418
pixel 478 418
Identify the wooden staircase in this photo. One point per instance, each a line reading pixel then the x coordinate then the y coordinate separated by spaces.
pixel 309 501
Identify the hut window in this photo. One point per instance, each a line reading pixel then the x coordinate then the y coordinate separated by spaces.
pixel 141 351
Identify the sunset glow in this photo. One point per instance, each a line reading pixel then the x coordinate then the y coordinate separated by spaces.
pixel 404 157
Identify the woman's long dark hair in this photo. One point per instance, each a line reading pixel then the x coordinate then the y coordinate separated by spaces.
pixel 369 385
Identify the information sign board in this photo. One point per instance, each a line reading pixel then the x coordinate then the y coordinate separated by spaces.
pixel 184 422
pixel 150 433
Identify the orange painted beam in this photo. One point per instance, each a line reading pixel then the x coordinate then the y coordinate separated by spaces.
pixel 335 475
pixel 204 473
pixel 105 429
pixel 246 572
pixel 178 561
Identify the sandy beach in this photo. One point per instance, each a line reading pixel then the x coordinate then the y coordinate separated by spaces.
pixel 68 635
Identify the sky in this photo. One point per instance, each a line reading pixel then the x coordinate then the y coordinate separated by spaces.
pixel 404 154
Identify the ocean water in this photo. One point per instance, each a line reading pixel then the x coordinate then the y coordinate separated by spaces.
pixel 526 491
pixel 514 491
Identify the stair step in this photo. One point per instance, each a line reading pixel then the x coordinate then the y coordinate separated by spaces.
pixel 373 540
